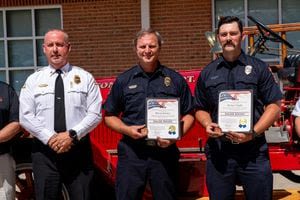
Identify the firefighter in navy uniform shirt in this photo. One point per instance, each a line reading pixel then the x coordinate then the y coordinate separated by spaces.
pixel 237 156
pixel 9 127
pixel 138 160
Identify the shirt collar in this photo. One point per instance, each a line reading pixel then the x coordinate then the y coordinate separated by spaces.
pixel 241 60
pixel 64 69
pixel 140 72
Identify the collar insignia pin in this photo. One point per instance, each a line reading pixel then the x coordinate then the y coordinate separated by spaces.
pixel 167 81
pixel 248 69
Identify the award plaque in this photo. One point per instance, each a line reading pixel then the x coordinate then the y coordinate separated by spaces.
pixel 162 118
pixel 235 111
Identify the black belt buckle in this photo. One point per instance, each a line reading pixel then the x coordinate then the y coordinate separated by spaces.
pixel 151 143
pixel 234 142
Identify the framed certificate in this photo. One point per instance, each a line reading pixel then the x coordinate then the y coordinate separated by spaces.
pixel 235 111
pixel 162 118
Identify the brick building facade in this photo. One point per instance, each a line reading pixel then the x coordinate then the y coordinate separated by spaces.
pixel 101 31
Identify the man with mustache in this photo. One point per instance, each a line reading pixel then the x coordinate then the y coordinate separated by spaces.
pixel 59 105
pixel 237 156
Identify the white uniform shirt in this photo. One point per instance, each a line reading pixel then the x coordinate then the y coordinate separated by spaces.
pixel 82 102
pixel 296 111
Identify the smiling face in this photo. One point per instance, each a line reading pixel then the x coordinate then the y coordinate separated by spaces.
pixel 147 50
pixel 230 38
pixel 56 48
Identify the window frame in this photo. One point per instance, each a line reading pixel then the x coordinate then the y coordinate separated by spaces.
pixel 5 39
pixel 246 7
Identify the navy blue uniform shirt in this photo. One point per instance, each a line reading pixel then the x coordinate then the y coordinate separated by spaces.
pixel 132 87
pixel 245 73
pixel 9 110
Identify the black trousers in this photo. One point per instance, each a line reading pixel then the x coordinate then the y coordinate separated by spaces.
pixel 74 169
pixel 138 165
pixel 253 172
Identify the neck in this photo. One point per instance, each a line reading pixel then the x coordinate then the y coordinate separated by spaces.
pixel 59 66
pixel 231 56
pixel 149 67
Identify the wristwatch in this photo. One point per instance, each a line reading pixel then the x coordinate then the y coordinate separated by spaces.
pixel 73 135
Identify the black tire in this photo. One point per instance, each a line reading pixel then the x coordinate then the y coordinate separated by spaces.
pixel 25 183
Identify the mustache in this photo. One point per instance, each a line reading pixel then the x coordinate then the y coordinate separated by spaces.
pixel 229 43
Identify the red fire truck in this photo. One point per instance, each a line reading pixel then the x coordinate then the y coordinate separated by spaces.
pixel 283 142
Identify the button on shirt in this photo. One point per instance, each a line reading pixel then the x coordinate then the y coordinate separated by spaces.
pixel 131 89
pixel 247 73
pixel 82 102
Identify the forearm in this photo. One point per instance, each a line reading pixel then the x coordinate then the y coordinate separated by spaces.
pixel 297 125
pixel 87 124
pixel 116 124
pixel 188 121
pixel 9 131
pixel 270 115
pixel 203 118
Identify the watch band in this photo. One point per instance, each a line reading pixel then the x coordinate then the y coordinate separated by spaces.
pixel 254 134
pixel 73 135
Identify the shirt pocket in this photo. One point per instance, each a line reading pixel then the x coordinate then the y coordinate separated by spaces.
pixel 77 96
pixel 246 82
pixel 134 98
pixel 163 91
pixel 214 87
pixel 44 97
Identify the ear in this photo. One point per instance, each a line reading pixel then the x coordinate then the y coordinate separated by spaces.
pixel 44 50
pixel 217 37
pixel 243 36
pixel 69 47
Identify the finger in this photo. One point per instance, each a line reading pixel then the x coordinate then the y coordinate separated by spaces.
pixel 159 144
pixel 62 144
pixel 56 148
pixel 61 150
pixel 144 131
pixel 52 141
pixel 55 145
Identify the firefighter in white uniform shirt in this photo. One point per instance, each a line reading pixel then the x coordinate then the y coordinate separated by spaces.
pixel 61 153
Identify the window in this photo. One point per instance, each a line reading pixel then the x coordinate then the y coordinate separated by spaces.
pixel 267 12
pixel 290 14
pixel 21 37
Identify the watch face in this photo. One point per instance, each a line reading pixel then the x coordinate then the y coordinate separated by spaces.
pixel 73 134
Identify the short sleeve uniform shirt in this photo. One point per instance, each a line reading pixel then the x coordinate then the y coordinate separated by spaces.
pixel 247 73
pixel 9 110
pixel 131 88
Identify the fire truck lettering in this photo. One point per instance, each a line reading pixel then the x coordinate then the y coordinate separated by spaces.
pixel 105 85
pixel 190 79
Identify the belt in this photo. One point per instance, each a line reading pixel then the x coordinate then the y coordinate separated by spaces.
pixel 139 142
pixel 4 148
pixel 225 140
pixel 151 143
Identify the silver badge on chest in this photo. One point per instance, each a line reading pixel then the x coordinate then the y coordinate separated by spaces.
pixel 248 69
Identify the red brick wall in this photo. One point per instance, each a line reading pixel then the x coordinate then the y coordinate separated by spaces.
pixel 101 31
pixel 183 24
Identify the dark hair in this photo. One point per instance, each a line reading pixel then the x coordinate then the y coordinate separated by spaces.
pixel 228 20
pixel 143 32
